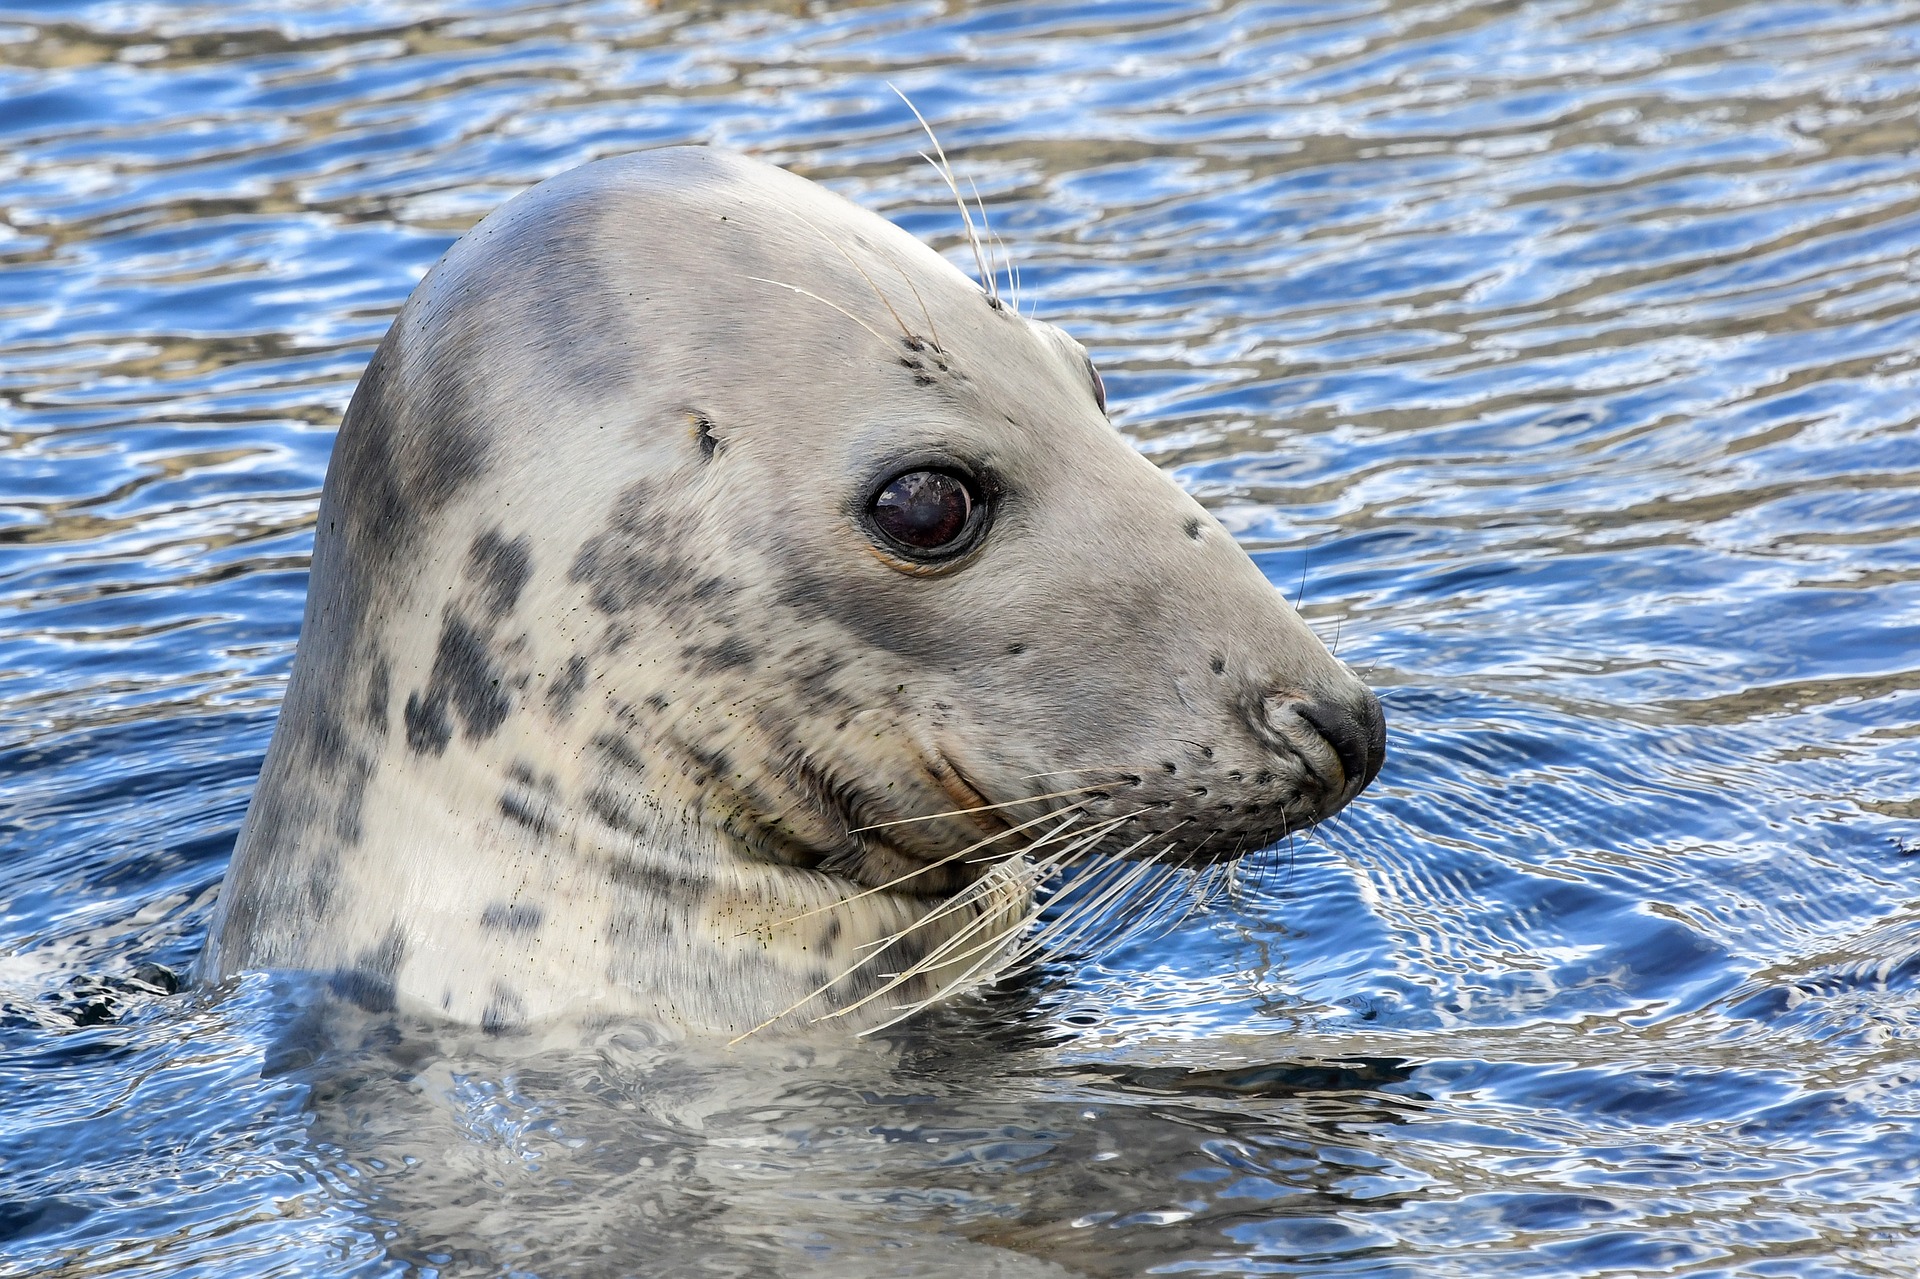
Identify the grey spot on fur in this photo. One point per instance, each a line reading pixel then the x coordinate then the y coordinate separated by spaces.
pixel 369 980
pixel 464 679
pixel 616 750
pixel 505 1012
pixel 530 799
pixel 653 881
pixel 615 810
pixel 406 447
pixel 645 556
pixel 732 653
pixel 562 691
pixel 428 731
pixel 501 568
pixel 1195 529
pixel 379 689
pixel 353 797
pixel 537 818
pixel 512 917
pixel 703 434
pixel 615 562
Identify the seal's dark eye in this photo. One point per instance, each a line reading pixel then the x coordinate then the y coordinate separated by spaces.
pixel 1099 386
pixel 924 511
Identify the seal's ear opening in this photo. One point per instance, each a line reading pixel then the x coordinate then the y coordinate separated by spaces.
pixel 703 436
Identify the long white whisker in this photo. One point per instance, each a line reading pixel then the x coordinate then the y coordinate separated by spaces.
pixel 1142 923
pixel 1070 810
pixel 992 239
pixel 939 955
pixel 932 330
pixel 1080 840
pixel 1086 910
pixel 946 171
pixel 1099 922
pixel 992 948
pixel 862 270
pixel 983 808
pixel 840 976
pixel 782 284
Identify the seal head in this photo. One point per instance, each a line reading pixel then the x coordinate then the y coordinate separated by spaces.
pixel 710 583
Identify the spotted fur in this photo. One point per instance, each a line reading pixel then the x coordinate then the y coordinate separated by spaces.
pixel 605 704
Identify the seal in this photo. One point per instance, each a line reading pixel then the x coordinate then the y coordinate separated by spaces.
pixel 720 605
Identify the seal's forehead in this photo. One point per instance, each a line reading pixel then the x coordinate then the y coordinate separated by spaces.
pixel 734 228
pixel 686 278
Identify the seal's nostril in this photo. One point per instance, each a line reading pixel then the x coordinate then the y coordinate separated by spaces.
pixel 1356 730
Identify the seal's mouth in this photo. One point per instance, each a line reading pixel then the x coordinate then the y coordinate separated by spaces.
pixel 967 797
pixel 958 834
pixel 945 848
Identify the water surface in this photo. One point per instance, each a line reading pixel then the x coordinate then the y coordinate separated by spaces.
pixel 1565 357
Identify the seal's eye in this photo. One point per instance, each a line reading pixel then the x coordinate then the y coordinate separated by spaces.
pixel 1099 386
pixel 924 512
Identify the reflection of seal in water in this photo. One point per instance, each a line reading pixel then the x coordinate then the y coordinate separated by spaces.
pixel 712 583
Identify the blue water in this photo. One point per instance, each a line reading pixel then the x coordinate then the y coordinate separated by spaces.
pixel 1564 356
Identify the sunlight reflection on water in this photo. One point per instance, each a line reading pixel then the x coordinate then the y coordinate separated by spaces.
pixel 1564 356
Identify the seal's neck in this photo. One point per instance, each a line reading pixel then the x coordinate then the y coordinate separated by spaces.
pixel 509 900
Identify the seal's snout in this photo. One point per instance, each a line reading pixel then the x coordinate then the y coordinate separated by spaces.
pixel 1341 737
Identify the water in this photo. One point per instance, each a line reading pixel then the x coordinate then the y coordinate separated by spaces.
pixel 1566 355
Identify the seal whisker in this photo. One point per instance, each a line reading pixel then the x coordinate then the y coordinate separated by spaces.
pixel 1197 893
pixel 1035 870
pixel 945 170
pixel 973 237
pixel 933 330
pixel 877 950
pixel 992 947
pixel 972 972
pixel 1091 906
pixel 842 250
pixel 1115 925
pixel 1059 856
pixel 1133 924
pixel 1138 924
pixel 994 241
pixel 781 284
pixel 941 956
pixel 1071 816
pixel 831 982
pixel 982 808
pixel 1089 909
pixel 1051 861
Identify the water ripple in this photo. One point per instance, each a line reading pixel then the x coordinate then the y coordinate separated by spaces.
pixel 1561 358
